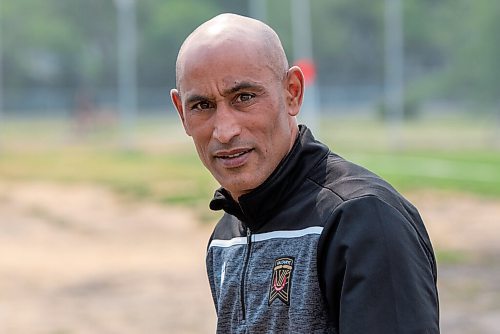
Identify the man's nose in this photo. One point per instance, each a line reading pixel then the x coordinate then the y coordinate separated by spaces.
pixel 226 125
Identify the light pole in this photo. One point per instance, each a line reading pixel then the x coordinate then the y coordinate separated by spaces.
pixel 127 68
pixel 302 49
pixel 394 70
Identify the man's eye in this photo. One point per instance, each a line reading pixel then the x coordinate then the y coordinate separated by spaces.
pixel 201 105
pixel 245 97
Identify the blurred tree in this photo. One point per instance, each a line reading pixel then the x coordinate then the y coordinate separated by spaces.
pixel 163 27
pixel 424 52
pixel 90 55
pixel 348 41
pixel 473 73
pixel 473 51
pixel 451 46
pixel 424 35
pixel 34 38
pixel 278 18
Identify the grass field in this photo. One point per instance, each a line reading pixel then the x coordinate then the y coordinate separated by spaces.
pixel 455 154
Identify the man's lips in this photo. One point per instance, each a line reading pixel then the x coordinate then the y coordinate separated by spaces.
pixel 233 158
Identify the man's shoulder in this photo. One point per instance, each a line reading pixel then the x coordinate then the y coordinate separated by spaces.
pixel 347 180
pixel 344 182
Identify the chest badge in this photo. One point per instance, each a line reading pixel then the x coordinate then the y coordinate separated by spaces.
pixel 281 280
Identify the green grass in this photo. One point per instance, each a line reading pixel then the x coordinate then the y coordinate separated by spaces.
pixel 461 171
pixel 171 178
pixel 452 257
pixel 457 153
pixel 164 166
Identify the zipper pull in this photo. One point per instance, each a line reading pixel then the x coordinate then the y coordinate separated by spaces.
pixel 249 235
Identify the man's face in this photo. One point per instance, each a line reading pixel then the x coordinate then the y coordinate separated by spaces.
pixel 238 112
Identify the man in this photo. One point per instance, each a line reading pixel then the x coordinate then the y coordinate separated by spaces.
pixel 309 242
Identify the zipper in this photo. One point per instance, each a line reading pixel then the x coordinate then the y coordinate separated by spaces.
pixel 244 272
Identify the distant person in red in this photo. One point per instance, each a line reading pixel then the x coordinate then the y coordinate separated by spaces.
pixel 84 111
pixel 309 242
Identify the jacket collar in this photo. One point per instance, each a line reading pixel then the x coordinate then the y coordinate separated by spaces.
pixel 261 204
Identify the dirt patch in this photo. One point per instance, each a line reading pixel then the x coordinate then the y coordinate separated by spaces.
pixel 79 259
pixel 468 228
pixel 460 221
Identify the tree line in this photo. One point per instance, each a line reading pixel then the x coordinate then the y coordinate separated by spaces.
pixel 451 47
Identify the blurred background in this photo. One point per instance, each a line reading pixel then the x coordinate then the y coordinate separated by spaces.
pixel 104 213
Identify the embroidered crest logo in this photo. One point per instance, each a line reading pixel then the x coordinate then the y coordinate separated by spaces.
pixel 281 280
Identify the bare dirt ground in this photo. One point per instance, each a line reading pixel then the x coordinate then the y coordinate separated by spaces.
pixel 77 259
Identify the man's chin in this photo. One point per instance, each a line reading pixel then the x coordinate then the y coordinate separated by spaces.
pixel 239 187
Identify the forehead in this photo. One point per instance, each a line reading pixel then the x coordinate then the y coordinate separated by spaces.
pixel 223 63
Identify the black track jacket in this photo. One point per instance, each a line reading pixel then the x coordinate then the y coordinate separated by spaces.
pixel 322 246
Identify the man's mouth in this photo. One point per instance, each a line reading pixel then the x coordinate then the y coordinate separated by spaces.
pixel 235 155
pixel 233 158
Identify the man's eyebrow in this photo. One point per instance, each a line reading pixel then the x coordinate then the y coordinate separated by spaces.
pixel 195 98
pixel 236 88
pixel 242 86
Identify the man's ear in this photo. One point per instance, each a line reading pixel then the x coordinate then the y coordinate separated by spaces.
pixel 295 89
pixel 176 100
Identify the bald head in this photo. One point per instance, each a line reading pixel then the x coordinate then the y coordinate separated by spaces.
pixel 231 30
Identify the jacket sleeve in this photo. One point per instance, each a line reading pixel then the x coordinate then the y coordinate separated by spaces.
pixel 209 264
pixel 376 272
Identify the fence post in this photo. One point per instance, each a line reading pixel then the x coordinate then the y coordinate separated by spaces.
pixel 127 72
pixel 394 71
